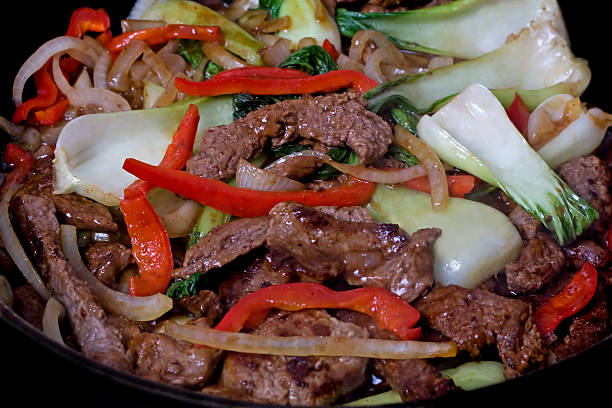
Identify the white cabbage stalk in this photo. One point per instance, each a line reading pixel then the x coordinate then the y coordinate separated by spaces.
pixel 580 138
pixel 464 29
pixel 91 149
pixel 477 241
pixel 537 59
pixel 309 18
pixel 476 120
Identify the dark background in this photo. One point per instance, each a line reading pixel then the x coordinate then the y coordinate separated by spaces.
pixel 32 374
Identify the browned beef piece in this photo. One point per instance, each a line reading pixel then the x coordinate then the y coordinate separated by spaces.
pixel 320 247
pixel 40 228
pixel 333 120
pixel 354 213
pixel 587 250
pixel 106 260
pixel 296 167
pixel 223 244
pixel 526 224
pixel 29 305
pixel 206 304
pixel 164 359
pixel 258 275
pixel 590 178
pixel 477 318
pixel 297 380
pixel 320 185
pixel 540 260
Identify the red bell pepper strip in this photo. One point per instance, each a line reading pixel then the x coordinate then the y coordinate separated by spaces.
pixel 21 161
pixel 262 73
pixel 243 202
pixel 328 82
pixel 518 112
pixel 572 298
pixel 391 312
pixel 331 50
pixel 53 113
pixel 47 93
pixel 86 19
pixel 150 247
pixel 159 35
pixel 458 185
pixel 177 153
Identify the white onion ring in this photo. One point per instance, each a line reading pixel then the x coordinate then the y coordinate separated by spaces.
pixel 95 44
pixel 83 81
pixel 136 308
pixel 310 345
pixel 345 62
pixel 14 248
pixel 37 60
pixel 117 77
pixel 429 159
pixel 54 312
pixel 254 178
pixel 157 65
pixel 107 100
pixel 222 57
pixel 6 292
pixel 100 72
pixel 277 53
pixel 9 127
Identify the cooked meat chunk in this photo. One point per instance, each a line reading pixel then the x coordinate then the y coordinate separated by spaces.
pixel 590 179
pixel 106 260
pixel 297 380
pixel 477 318
pixel 162 358
pixel 320 247
pixel 258 275
pixel 354 214
pixel 526 224
pixel 28 304
pixel 206 304
pixel 333 120
pixel 223 244
pixel 587 250
pixel 540 260
pixel 97 339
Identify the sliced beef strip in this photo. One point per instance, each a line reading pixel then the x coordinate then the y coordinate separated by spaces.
pixel 297 380
pixel 97 339
pixel 296 167
pixel 333 120
pixel 258 275
pixel 205 304
pixel 320 247
pixel 540 260
pixel 526 224
pixel 354 213
pixel 477 318
pixel 106 260
pixel 587 250
pixel 223 244
pixel 589 177
pixel 29 305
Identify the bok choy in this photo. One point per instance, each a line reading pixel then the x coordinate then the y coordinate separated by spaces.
pixel 464 29
pixel 477 121
pixel 537 64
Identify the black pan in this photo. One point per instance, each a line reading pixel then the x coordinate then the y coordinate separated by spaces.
pixel 35 370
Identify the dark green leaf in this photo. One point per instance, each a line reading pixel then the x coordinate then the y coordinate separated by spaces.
pixel 245 103
pixel 212 69
pixel 191 50
pixel 313 60
pixel 272 5
pixel 186 287
pixel 284 150
pixel 340 155
pixel 406 119
pixel 403 155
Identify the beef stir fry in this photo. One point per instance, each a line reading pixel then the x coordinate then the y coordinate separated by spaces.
pixel 353 204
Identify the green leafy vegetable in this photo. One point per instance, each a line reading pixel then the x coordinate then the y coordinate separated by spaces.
pixel 272 5
pixel 403 155
pixel 212 69
pixel 284 150
pixel 313 60
pixel 191 50
pixel 245 103
pixel 340 155
pixel 186 287
pixel 476 374
pixel 389 397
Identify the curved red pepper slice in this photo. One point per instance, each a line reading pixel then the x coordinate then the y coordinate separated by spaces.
pixel 458 185
pixel 262 73
pixel 391 312
pixel 572 298
pixel 53 113
pixel 21 161
pixel 518 112
pixel 47 93
pixel 86 19
pixel 328 82
pixel 243 202
pixel 331 50
pixel 159 35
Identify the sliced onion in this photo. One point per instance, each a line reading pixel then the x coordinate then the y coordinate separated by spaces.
pixel 118 79
pixel 30 139
pixel 95 44
pixel 58 76
pixel 136 308
pixel 100 73
pixel 170 95
pixel 277 53
pixel 14 248
pixel 344 62
pixel 275 25
pixel 37 60
pixel 107 100
pixel 6 292
pixel 175 63
pixel 551 117
pixel 171 47
pixel 310 345
pixel 83 81
pixel 54 313
pixel 306 42
pixel 254 178
pixel 238 7
pixel 136 25
pixel 267 40
pixel 430 160
pixel 157 65
pixel 253 18
pixel 9 127
pixel 439 62
pixel 222 57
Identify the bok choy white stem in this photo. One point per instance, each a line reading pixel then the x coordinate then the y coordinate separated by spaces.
pixel 477 121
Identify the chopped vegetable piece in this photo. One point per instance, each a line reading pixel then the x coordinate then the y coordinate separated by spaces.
pixel 329 82
pixel 21 161
pixel 186 287
pixel 264 73
pixel 331 50
pixel 518 113
pixel 385 398
pixel 160 35
pixel 476 374
pixel 391 312
pixel 191 50
pixel 47 93
pixel 572 298
pixel 208 219
pixel 245 103
pixel 313 60
pixel 458 185
pixel 244 202
pixel 86 19
pixel 53 113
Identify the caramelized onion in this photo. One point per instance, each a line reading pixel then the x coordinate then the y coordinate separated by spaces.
pixel 6 292
pixel 14 248
pixel 251 19
pixel 83 81
pixel 157 65
pixel 137 308
pixel 344 62
pixel 277 53
pixel 130 24
pixel 430 160
pixel 275 25
pixel 118 79
pixel 306 42
pixel 238 8
pixel 54 313
pixel 100 73
pixel 222 57
pixel 254 178
pixel 310 345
